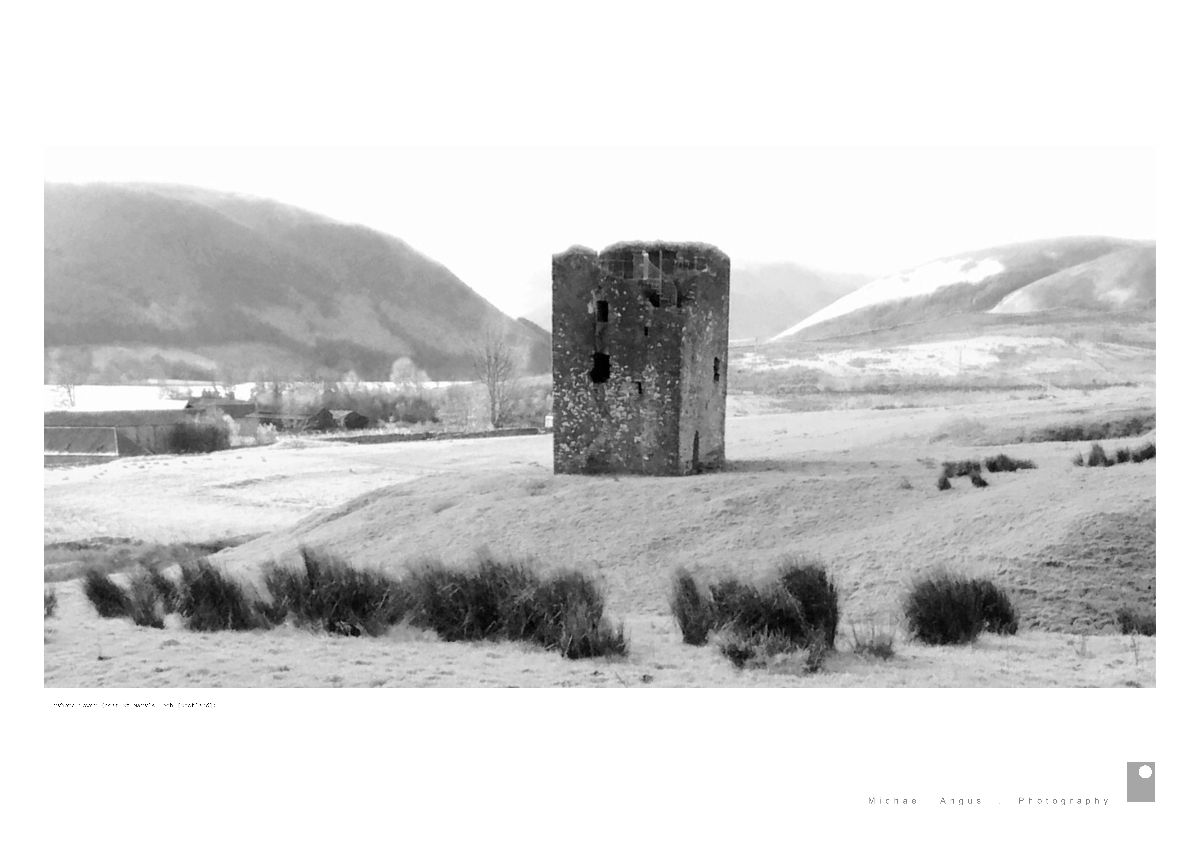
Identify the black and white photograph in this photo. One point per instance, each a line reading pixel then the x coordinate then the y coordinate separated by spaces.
pixel 571 417
pixel 603 423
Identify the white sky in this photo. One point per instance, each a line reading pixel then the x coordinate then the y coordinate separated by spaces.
pixel 494 215
pixel 501 95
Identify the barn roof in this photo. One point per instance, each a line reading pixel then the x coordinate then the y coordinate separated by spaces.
pixel 119 418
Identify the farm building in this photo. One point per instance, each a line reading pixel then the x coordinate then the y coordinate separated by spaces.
pixel 291 422
pixel 640 354
pixel 120 433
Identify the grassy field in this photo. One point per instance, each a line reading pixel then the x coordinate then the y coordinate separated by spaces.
pixel 852 486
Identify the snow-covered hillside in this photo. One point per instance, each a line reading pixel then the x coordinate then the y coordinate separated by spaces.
pixel 921 280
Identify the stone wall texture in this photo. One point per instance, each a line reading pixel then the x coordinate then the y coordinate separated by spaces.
pixel 640 346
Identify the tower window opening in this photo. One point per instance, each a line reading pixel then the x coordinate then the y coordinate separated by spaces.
pixel 602 311
pixel 639 386
pixel 717 369
pixel 600 368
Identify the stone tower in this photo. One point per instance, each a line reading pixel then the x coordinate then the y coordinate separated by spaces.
pixel 641 345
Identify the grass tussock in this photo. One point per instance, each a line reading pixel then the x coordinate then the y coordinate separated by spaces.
pixel 960 468
pixel 50 601
pixel 504 600
pixel 146 604
pixel 1119 428
pixel 810 584
pixel 492 600
pixel 330 595
pixel 947 609
pixel 571 611
pixel 1143 453
pixel 168 590
pixel 105 594
pixel 943 483
pixel 1003 462
pixel 210 600
pixel 1138 621
pixel 146 599
pixel 1098 458
pixel 977 480
pixel 797 610
pixel 693 610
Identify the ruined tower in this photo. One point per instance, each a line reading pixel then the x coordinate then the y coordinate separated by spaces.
pixel 641 342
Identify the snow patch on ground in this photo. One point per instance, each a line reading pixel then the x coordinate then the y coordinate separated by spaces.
pixel 919 281
pixel 945 358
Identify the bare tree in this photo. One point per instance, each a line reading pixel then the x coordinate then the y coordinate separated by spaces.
pixel 493 361
pixel 74 366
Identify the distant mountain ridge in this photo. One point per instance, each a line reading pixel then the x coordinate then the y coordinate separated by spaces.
pixel 1080 272
pixel 249 284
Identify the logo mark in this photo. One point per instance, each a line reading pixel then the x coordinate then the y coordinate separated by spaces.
pixel 1139 781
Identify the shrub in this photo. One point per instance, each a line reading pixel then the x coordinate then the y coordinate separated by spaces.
pixel 50 600
pixel 946 609
pixel 977 480
pixel 769 609
pixel 1141 622
pixel 905 483
pixel 943 483
pixel 999 614
pixel 1097 458
pixel 572 618
pixel 961 468
pixel 1120 428
pixel 1123 455
pixel 1143 453
pixel 693 609
pixel 494 599
pixel 1003 462
pixel 332 596
pixel 1078 460
pixel 809 583
pixel 106 596
pixel 491 600
pixel 797 610
pixel 166 589
pixel 197 437
pixel 728 596
pixel 211 600
pixel 146 603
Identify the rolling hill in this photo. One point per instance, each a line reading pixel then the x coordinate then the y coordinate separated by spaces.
pixel 161 278
pixel 1075 273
